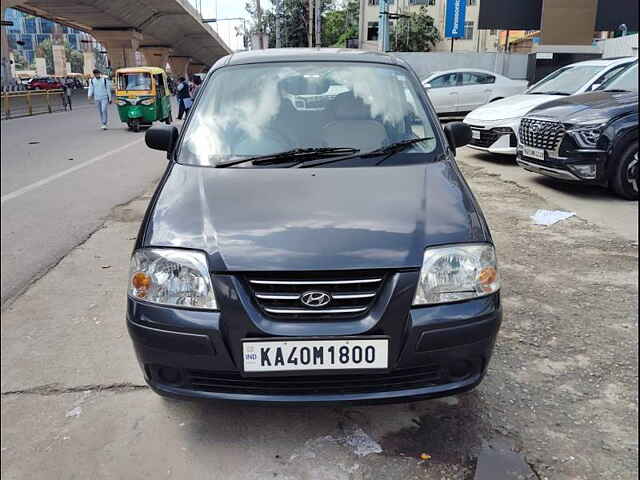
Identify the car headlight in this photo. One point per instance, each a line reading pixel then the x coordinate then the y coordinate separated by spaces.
pixel 587 135
pixel 121 102
pixel 148 101
pixel 457 272
pixel 170 276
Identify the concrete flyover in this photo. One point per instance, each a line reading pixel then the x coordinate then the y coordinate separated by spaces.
pixel 162 30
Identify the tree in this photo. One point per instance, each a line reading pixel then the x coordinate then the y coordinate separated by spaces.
pixel 74 57
pixel 20 61
pixel 45 49
pixel 417 33
pixel 339 23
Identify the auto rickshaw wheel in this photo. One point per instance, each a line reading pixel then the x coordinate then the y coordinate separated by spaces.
pixel 134 125
pixel 169 119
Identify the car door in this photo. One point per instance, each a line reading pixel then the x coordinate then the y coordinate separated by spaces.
pixel 443 93
pixel 475 90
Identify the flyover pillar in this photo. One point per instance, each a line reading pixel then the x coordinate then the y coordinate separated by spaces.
pixel 89 62
pixel 121 45
pixel 156 56
pixel 179 65
pixel 194 68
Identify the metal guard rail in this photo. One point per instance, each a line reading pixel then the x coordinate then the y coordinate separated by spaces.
pixel 26 101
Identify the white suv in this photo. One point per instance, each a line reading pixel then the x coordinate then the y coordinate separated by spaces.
pixel 495 126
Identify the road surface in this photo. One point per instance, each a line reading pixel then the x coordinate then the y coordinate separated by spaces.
pixel 61 176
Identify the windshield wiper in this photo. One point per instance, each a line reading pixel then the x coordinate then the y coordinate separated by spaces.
pixel 295 155
pixel 615 90
pixel 387 151
pixel 550 93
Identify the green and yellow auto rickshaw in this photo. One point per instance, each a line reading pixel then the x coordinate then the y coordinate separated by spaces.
pixel 143 96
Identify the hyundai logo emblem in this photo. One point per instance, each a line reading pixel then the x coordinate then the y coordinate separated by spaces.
pixel 315 298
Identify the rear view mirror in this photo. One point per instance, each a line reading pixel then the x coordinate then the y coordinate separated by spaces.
pixel 426 86
pixel 458 134
pixel 162 137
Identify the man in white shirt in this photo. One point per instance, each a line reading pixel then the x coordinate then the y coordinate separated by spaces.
pixel 100 90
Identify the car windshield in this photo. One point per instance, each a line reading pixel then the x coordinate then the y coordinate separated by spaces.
pixel 565 81
pixel 134 81
pixel 627 80
pixel 265 109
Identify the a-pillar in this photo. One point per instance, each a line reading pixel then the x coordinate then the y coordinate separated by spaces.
pixel 7 75
pixel 121 45
pixel 89 62
pixel 179 65
pixel 194 68
pixel 156 56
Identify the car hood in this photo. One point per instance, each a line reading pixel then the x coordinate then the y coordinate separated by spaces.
pixel 589 107
pixel 250 219
pixel 510 107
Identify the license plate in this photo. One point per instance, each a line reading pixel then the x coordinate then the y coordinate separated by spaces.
pixel 537 153
pixel 299 355
pixel 475 134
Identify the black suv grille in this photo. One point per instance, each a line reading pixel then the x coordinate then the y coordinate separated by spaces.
pixel 487 137
pixel 346 294
pixel 544 134
pixel 231 382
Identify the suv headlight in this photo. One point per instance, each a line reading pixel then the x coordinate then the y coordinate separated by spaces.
pixel 587 135
pixel 457 272
pixel 170 276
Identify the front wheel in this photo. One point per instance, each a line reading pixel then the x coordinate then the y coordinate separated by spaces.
pixel 134 125
pixel 169 119
pixel 625 177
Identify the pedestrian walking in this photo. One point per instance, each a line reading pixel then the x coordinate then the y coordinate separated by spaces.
pixel 197 83
pixel 67 95
pixel 184 99
pixel 100 90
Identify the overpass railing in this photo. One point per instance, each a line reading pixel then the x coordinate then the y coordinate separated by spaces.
pixel 21 104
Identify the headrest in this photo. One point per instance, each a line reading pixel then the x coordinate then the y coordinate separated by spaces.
pixel 347 107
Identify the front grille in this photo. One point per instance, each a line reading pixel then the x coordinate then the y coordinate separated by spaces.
pixel 545 134
pixel 349 294
pixel 487 137
pixel 232 382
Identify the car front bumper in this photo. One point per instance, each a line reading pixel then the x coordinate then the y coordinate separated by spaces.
pixel 434 351
pixel 571 168
pixel 495 137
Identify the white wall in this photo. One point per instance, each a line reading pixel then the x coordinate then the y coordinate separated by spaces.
pixel 620 47
pixel 513 65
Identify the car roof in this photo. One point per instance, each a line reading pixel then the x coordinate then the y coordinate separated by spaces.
pixel 311 55
pixel 469 69
pixel 152 70
pixel 604 62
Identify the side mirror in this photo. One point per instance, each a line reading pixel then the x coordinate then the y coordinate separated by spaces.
pixel 162 137
pixel 426 86
pixel 595 86
pixel 458 134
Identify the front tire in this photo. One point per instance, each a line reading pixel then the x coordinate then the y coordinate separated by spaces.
pixel 626 175
pixel 169 119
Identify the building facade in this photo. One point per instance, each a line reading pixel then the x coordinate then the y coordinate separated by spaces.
pixel 27 32
pixel 474 40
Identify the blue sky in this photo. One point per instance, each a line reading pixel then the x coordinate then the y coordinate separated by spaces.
pixel 226 9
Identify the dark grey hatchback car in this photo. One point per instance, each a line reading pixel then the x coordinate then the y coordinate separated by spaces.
pixel 312 240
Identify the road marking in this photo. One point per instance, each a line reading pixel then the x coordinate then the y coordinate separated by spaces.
pixel 44 181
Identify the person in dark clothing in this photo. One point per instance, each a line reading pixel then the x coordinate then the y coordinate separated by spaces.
pixel 182 94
